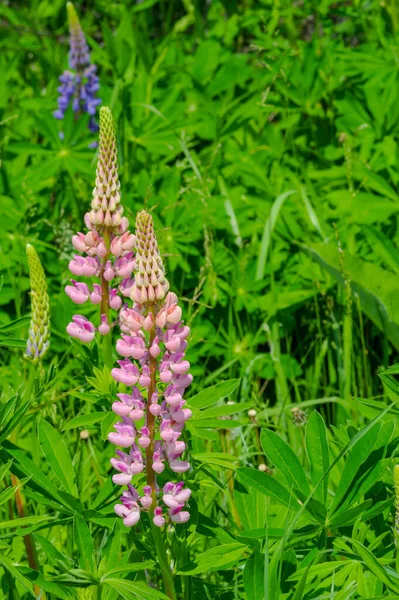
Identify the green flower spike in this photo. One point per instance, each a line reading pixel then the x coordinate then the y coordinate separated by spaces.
pixel 39 331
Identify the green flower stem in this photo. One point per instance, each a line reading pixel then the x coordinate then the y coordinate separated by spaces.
pixel 163 561
pixel 29 542
pixel 30 382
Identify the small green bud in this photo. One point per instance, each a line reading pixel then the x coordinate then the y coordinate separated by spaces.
pixel 39 330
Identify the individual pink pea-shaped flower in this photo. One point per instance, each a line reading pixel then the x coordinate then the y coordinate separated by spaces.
pixel 175 495
pixel 125 265
pixel 175 449
pixel 78 292
pixel 130 516
pixel 125 433
pixel 115 301
pixel 144 440
pixel 165 374
pixel 104 328
pixel 81 328
pixel 180 368
pixel 179 466
pixel 165 430
pixel 157 460
pixel 128 373
pixel 178 515
pixel 146 500
pixel 155 349
pixel 128 241
pixel 108 271
pixel 181 416
pixel 137 460
pixel 79 242
pixel 84 266
pixel 158 519
pixel 148 322
pixel 145 377
pixel 95 296
pixel 130 320
pixel 125 287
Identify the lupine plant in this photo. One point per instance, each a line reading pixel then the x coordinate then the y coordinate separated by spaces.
pixel 79 83
pixel 215 416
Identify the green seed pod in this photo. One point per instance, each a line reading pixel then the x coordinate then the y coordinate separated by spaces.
pixel 39 330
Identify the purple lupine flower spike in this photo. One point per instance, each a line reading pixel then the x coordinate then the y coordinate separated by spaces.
pixel 79 84
pixel 108 245
pixel 153 345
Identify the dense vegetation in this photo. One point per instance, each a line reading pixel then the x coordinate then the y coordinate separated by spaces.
pixel 262 136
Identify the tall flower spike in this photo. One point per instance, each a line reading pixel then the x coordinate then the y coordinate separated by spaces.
pixel 155 338
pixel 39 330
pixel 108 245
pixel 106 213
pixel 80 84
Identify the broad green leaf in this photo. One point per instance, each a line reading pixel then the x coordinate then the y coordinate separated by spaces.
pixel 375 566
pixel 15 572
pixel 85 420
pixel 216 558
pixel 253 576
pixel 317 450
pixel 268 485
pixel 57 455
pixel 129 589
pixel 24 521
pixel 214 393
pixel 361 450
pixel 285 460
pixel 129 568
pixel 84 544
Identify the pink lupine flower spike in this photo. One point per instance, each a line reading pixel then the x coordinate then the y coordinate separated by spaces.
pixel 153 345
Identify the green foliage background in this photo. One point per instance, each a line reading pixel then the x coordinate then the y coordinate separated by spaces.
pixel 263 137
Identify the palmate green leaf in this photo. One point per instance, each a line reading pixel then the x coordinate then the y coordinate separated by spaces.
pixel 4 469
pixel 52 553
pixel 129 589
pixel 15 572
pixel 85 420
pixel 110 551
pixel 216 558
pixel 129 568
pixel 14 421
pixel 317 451
pixel 16 324
pixel 213 394
pixel 221 411
pixel 268 485
pixel 24 465
pixel 251 505
pixel 226 461
pixel 253 576
pixel 350 515
pixel 376 437
pixel 24 521
pixel 374 565
pixel 284 459
pixel 57 455
pixel 84 544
